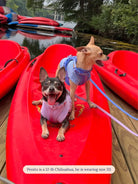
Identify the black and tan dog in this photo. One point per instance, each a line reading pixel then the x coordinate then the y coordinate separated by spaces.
pixel 56 103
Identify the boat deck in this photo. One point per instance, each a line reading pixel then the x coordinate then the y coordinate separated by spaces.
pixel 124 144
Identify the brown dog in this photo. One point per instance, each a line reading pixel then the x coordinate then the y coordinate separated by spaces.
pixel 80 67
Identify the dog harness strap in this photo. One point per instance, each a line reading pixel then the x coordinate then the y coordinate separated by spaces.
pixel 69 59
pixel 78 75
pixel 56 113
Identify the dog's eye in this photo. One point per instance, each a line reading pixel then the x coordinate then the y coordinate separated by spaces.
pixel 57 84
pixel 47 83
pixel 101 54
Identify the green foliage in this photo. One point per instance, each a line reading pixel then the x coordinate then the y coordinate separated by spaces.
pixel 119 21
pixel 134 2
pixel 102 23
pixel 79 10
pixel 121 1
pixel 19 6
pixel 12 5
pixel 28 7
pixel 35 4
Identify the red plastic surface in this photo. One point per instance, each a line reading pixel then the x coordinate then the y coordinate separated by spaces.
pixel 127 86
pixel 88 141
pixel 3 19
pixel 11 73
pixel 38 20
pixel 1 10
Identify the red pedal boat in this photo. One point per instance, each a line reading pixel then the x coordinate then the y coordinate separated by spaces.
pixel 88 141
pixel 13 60
pixel 120 73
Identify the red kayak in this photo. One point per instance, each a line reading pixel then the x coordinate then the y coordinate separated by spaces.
pixel 88 141
pixel 3 19
pixel 120 73
pixel 5 10
pixel 38 21
pixel 13 60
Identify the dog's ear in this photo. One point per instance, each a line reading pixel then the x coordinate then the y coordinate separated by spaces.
pixel 91 42
pixel 61 74
pixel 84 49
pixel 43 74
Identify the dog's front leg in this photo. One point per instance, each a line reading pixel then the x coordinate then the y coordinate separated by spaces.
pixel 38 102
pixel 62 130
pixel 87 87
pixel 45 132
pixel 72 95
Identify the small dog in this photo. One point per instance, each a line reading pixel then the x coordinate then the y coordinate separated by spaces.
pixel 56 103
pixel 78 69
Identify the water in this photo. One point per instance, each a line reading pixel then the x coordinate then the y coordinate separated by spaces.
pixel 38 41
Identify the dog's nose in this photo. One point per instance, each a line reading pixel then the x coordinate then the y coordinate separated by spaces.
pixel 107 57
pixel 51 89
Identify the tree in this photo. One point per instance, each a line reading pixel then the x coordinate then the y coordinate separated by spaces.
pixel 80 11
pixel 19 6
pixel 122 1
pixel 12 5
pixel 134 2
pixel 34 4
pixel 119 21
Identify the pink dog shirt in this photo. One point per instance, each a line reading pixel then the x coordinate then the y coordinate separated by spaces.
pixel 56 113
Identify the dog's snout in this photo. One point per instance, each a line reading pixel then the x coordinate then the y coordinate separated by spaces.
pixel 51 89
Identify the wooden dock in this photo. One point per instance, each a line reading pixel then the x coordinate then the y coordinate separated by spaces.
pixel 124 144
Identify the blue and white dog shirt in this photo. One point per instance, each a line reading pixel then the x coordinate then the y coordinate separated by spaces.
pixel 77 75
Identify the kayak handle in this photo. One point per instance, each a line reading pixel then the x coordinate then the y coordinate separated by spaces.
pixel 7 62
pixel 32 63
pixel 121 75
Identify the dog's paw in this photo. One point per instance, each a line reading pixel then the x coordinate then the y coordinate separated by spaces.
pixel 60 137
pixel 39 102
pixel 72 116
pixel 45 135
pixel 92 105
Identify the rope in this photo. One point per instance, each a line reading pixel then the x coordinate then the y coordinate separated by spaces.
pixel 112 117
pixel 6 180
pixel 112 101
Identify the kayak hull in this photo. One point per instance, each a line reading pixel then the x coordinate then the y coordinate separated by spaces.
pixel 17 58
pixel 87 142
pixel 44 27
pixel 38 21
pixel 120 74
